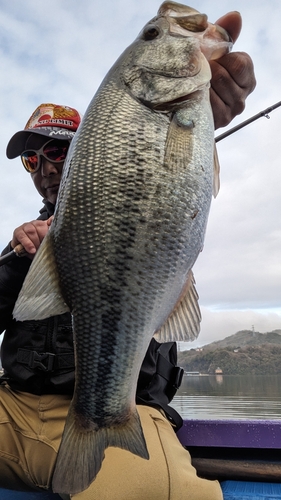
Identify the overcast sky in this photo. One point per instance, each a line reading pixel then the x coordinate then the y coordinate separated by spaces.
pixel 59 51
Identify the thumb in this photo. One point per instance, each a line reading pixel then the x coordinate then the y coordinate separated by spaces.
pixel 50 220
pixel 232 23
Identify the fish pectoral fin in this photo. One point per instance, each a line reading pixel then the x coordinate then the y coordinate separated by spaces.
pixel 40 296
pixel 82 450
pixel 179 141
pixel 183 324
pixel 216 178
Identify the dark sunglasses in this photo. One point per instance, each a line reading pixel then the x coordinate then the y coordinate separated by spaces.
pixel 54 151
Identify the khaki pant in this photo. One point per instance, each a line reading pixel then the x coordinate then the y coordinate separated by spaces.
pixel 30 433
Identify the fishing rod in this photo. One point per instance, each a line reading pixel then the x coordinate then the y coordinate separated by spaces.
pixel 265 113
pixel 19 251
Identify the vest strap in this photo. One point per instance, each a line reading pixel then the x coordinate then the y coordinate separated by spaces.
pixel 46 361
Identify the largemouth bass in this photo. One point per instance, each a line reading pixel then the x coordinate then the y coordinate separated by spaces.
pixel 129 224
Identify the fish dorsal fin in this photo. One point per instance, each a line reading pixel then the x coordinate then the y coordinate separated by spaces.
pixel 40 296
pixel 216 178
pixel 183 324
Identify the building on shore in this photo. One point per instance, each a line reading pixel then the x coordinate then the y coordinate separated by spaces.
pixel 218 371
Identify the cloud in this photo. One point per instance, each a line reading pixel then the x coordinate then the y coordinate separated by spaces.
pixel 216 325
pixel 240 264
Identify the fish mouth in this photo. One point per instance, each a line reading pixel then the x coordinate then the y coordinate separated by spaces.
pixel 176 103
pixel 184 72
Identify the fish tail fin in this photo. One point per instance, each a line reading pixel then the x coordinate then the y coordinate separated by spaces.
pixel 82 451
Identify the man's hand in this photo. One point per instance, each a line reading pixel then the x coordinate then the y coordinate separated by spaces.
pixel 30 235
pixel 233 77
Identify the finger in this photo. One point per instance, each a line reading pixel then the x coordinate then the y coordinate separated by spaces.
pixel 25 239
pixel 223 112
pixel 232 23
pixel 231 71
pixel 227 95
pixel 30 235
pixel 50 220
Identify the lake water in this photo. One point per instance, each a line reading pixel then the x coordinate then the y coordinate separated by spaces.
pixel 229 397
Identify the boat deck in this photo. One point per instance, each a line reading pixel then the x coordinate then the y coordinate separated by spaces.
pixel 241 450
pixel 243 455
pixel 232 490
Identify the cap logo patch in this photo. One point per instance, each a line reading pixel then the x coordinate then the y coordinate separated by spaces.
pixel 53 115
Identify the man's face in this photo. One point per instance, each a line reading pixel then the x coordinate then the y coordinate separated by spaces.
pixel 48 176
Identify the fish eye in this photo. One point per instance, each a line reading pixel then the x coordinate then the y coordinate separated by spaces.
pixel 150 33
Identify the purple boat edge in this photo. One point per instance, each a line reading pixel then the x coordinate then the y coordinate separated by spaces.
pixel 231 433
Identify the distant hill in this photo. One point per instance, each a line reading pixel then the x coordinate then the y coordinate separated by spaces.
pixel 246 337
pixel 245 352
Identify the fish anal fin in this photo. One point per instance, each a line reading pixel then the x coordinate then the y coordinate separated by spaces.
pixel 40 296
pixel 183 324
pixel 82 450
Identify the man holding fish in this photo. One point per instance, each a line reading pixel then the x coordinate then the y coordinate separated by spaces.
pixel 37 352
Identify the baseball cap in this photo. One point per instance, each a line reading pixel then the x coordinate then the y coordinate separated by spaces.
pixel 52 120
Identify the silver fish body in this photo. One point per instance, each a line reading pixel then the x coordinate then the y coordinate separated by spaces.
pixel 129 224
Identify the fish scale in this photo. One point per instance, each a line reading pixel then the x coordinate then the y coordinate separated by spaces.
pixel 129 224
